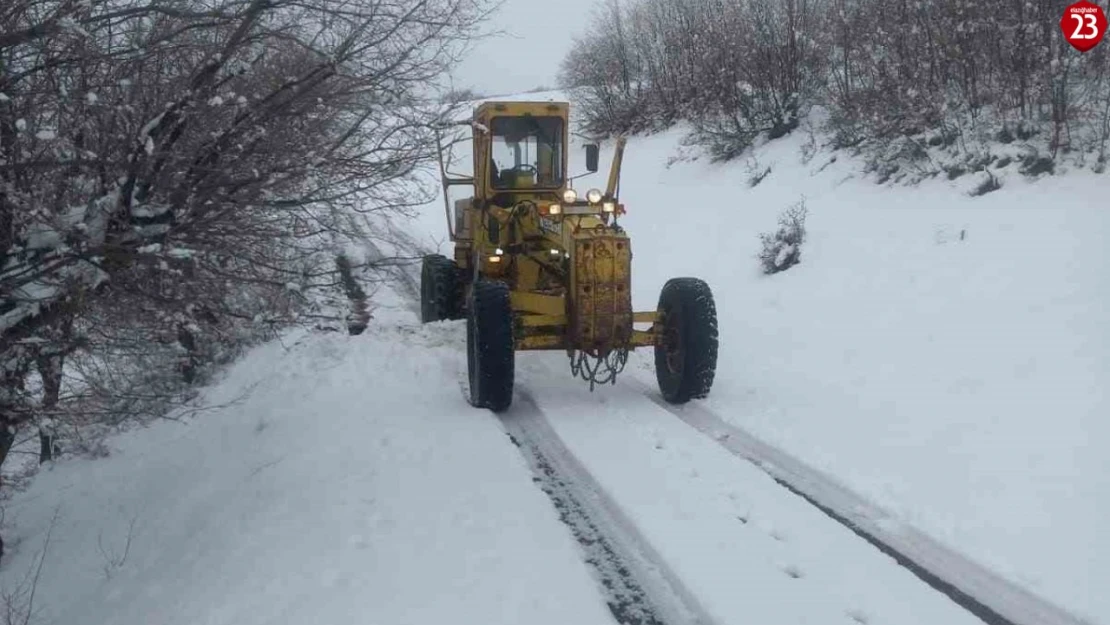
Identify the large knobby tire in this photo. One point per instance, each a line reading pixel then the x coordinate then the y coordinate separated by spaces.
pixel 440 295
pixel 686 357
pixel 491 361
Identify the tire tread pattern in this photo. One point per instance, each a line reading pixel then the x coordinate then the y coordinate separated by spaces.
pixel 439 289
pixel 692 300
pixel 490 346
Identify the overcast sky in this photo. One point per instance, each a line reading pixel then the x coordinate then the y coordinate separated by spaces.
pixel 538 35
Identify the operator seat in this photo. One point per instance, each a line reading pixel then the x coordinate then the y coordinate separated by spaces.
pixel 494 173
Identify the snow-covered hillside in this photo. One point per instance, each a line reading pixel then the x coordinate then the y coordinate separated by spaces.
pixel 944 356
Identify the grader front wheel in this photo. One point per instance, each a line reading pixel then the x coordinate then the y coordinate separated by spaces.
pixel 686 357
pixel 491 361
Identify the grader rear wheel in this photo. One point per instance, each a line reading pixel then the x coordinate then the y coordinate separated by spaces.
pixel 491 361
pixel 686 357
pixel 440 295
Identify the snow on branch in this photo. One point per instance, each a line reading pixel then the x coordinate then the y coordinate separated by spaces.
pixel 191 195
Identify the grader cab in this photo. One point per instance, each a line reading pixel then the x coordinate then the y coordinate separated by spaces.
pixel 536 266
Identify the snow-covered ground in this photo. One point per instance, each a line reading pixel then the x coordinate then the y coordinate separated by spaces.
pixel 956 379
pixel 942 355
pixel 345 479
pixel 345 482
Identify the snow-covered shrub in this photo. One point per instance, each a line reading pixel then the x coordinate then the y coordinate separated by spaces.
pixel 934 87
pixel 987 184
pixel 782 249
pixel 962 96
pixel 756 172
pixel 1037 164
pixel 461 95
pixel 736 70
pixel 725 136
pixel 174 185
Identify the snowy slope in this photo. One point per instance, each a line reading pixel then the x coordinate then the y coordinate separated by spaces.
pixel 943 355
pixel 959 383
pixel 342 486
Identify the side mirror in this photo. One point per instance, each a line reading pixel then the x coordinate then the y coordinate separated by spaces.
pixel 591 157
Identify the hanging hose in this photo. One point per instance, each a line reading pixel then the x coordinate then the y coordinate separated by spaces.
pixel 599 369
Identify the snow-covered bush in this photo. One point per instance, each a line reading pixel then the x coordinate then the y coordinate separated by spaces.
pixel 782 249
pixel 737 70
pixel 987 183
pixel 936 87
pixel 174 184
pixel 961 83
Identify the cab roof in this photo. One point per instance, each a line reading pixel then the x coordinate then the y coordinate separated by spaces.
pixel 518 108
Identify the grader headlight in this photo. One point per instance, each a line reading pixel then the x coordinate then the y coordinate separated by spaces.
pixel 570 196
pixel 594 196
pixel 554 209
pixel 609 207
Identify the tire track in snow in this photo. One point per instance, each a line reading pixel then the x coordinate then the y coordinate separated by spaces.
pixel 977 589
pixel 640 588
pixel 630 573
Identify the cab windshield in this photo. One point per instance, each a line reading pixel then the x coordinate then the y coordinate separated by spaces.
pixel 527 152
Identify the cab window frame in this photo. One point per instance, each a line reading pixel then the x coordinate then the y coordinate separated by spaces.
pixel 551 125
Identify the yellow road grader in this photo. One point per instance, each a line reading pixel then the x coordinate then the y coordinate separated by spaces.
pixel 536 266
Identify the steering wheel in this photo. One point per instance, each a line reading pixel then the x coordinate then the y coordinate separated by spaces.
pixel 526 167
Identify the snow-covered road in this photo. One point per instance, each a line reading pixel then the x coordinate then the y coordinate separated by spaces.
pixel 747 547
pixel 639 586
pixel 349 478
pixel 343 480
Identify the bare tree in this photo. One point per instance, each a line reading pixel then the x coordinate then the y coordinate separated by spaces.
pixel 176 175
pixel 949 76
